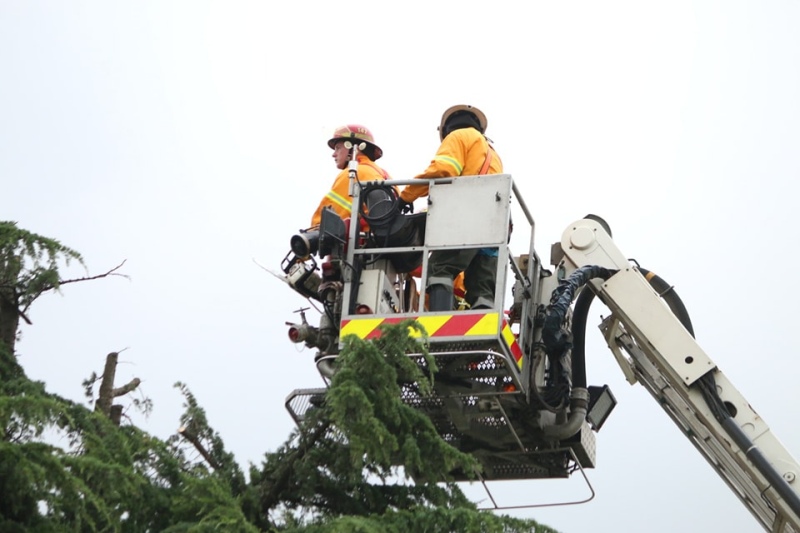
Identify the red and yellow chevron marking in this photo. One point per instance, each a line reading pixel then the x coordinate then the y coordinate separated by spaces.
pixel 513 345
pixel 455 325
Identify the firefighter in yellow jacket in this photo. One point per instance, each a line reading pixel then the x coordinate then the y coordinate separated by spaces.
pixel 465 151
pixel 338 197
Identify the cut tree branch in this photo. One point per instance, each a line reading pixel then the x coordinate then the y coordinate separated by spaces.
pixel 284 474
pixel 125 389
pixel 191 436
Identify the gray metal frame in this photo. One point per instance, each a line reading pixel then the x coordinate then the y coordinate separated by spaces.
pixel 454 202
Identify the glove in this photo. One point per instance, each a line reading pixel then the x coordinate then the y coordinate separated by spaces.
pixel 404 207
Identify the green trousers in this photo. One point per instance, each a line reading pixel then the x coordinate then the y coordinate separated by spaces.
pixel 479 273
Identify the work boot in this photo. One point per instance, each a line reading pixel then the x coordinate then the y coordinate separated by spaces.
pixel 481 303
pixel 440 298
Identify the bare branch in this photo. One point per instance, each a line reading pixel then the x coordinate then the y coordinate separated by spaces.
pixel 45 288
pixel 24 317
pixel 112 272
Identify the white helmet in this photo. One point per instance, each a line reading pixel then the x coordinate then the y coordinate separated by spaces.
pixel 477 113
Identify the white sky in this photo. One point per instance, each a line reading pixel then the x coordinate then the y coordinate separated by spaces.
pixel 189 139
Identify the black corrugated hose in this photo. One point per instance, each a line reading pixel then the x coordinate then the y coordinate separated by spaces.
pixel 706 384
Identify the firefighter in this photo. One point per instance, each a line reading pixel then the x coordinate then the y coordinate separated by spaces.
pixel 338 197
pixel 465 151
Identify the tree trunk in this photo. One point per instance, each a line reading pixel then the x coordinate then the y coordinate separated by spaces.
pixel 9 319
pixel 271 495
pixel 106 393
pixel 116 414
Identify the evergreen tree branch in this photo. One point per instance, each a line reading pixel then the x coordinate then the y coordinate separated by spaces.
pixel 280 480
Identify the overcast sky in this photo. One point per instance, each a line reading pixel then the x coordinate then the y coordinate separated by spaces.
pixel 189 139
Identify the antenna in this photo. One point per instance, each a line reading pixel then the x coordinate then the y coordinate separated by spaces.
pixel 352 166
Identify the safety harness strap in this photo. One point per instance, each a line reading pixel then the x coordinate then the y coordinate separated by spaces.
pixel 379 169
pixel 485 167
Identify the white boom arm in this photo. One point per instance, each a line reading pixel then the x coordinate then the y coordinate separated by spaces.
pixel 664 357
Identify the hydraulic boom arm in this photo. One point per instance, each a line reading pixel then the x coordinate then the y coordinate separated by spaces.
pixel 663 356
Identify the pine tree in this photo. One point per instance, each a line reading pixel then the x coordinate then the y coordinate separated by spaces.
pixel 362 461
pixel 105 478
pixel 28 268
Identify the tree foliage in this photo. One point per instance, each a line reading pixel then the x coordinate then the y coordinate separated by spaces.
pixel 29 263
pixel 64 467
pixel 105 478
pixel 361 460
pixel 28 268
pixel 364 461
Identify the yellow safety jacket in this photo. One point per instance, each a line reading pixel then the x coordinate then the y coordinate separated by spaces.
pixel 462 153
pixel 338 197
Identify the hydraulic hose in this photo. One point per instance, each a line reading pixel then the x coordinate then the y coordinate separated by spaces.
pixel 708 388
pixel 763 465
pixel 556 344
pixel 561 300
pixel 581 313
pixel 667 291
pixel 579 405
pixel 553 337
pixel 579 319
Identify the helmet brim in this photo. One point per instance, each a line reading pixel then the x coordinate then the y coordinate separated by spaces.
pixel 378 151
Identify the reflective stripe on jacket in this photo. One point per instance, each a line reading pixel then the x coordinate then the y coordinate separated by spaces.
pixel 462 153
pixel 338 197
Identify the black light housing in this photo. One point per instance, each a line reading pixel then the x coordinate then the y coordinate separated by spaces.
pixel 305 244
pixel 391 228
pixel 601 403
pixel 332 232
